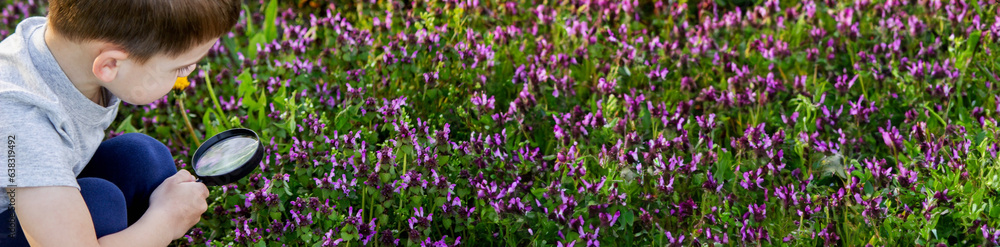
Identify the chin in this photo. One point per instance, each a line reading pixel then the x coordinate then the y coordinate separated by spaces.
pixel 141 97
pixel 135 102
pixel 141 101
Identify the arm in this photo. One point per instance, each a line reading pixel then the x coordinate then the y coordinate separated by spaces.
pixel 58 216
pixel 145 232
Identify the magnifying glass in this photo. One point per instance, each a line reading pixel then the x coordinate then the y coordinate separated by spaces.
pixel 227 157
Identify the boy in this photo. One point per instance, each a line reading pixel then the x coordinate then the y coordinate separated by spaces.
pixel 62 78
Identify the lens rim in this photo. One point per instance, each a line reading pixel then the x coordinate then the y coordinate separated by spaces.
pixel 236 174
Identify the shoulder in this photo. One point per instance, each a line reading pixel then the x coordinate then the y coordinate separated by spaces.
pixel 20 81
pixel 17 43
pixel 30 110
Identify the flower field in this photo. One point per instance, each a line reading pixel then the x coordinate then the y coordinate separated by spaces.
pixel 587 123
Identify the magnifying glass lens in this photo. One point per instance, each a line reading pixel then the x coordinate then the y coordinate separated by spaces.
pixel 226 156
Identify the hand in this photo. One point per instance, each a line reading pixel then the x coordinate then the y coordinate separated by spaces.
pixel 181 201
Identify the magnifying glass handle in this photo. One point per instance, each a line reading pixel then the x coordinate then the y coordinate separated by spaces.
pixel 199 180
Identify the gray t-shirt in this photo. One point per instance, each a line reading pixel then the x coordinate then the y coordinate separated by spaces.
pixel 49 129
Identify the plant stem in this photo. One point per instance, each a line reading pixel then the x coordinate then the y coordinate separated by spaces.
pixel 211 92
pixel 187 122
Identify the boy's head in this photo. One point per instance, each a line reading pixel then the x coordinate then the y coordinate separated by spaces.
pixel 142 46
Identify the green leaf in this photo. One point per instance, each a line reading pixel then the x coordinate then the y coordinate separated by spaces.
pixel 260 110
pixel 245 82
pixel 287 191
pixel 258 39
pixel 270 14
pixel 439 201
pixel 250 103
pixel 833 165
pixel 979 138
pixel 126 125
pixel 972 43
pixel 346 236
pixel 341 122
pixel 163 130
pixel 628 217
pixel 250 27
pixel 206 121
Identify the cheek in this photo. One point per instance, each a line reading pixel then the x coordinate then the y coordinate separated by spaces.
pixel 148 87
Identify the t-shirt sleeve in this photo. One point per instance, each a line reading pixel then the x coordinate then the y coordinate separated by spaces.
pixel 37 151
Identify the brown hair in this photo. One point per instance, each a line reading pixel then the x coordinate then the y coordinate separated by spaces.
pixel 144 28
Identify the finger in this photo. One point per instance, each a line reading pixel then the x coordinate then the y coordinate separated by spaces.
pixel 202 207
pixel 196 189
pixel 204 190
pixel 185 176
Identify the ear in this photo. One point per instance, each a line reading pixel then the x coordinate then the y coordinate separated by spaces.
pixel 108 63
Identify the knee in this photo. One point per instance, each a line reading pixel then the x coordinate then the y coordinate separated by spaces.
pixel 142 149
pixel 140 144
pixel 100 190
pixel 106 204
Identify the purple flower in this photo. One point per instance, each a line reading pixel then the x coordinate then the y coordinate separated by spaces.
pixel 674 242
pixel 753 234
pixel 605 86
pixel 790 120
pixel 891 137
pixel 829 235
pixel 386 238
pixel 873 211
pixel 860 111
pixel 770 48
pixel 608 219
pixel 829 117
pixel 329 241
pixel 843 84
pixel 684 209
pixel 916 26
pixel 390 109
pixel 707 124
pixel 845 23
pixel 942 196
pixel 878 170
pixel 906 178
pixel 991 238
pixel 441 243
pixel 366 231
pixel 752 179
pixel 759 212
pixel 657 73
pixel 568 244
pixel 817 33
pixel 710 183
pixel 591 238
pixel 666 188
pixel 918 69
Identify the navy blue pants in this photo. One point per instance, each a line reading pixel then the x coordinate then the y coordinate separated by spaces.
pixel 116 184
